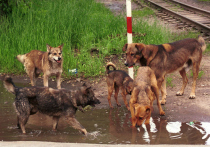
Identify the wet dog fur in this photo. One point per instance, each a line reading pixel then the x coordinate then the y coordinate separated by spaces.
pixel 118 80
pixel 145 91
pixel 167 58
pixel 50 63
pixel 52 102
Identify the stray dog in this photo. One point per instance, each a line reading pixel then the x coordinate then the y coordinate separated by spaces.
pixel 50 63
pixel 144 92
pixel 167 58
pixel 52 102
pixel 116 80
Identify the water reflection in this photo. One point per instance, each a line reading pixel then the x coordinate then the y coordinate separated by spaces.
pixel 162 132
pixel 105 126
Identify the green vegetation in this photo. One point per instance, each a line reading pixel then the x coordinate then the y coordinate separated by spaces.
pixel 169 82
pixel 204 0
pixel 81 25
pixel 143 12
pixel 200 74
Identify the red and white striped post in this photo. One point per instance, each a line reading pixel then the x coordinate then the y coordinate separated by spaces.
pixel 129 31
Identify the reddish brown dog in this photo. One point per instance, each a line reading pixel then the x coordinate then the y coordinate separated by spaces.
pixel 50 63
pixel 116 80
pixel 144 92
pixel 167 58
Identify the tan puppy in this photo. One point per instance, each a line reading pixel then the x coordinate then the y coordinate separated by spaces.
pixel 50 63
pixel 167 58
pixel 144 92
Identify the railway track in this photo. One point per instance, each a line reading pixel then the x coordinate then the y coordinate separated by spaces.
pixel 184 16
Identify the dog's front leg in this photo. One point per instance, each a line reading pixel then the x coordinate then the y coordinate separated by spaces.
pixel 80 108
pixel 58 80
pixel 156 92
pixel 163 90
pixel 133 118
pixel 123 93
pixel 75 124
pixel 160 82
pixel 45 80
pixel 55 122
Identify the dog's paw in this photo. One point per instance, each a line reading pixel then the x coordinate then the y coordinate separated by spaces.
pixel 84 131
pixel 163 102
pixel 119 105
pixel 81 109
pixel 192 96
pixel 128 108
pixel 179 93
pixel 162 113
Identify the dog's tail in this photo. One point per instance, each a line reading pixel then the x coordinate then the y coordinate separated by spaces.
pixel 9 85
pixel 21 58
pixel 202 43
pixel 108 65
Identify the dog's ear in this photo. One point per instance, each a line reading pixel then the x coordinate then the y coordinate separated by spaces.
pixel 125 47
pixel 61 47
pixel 48 48
pixel 149 52
pixel 148 109
pixel 140 47
pixel 85 89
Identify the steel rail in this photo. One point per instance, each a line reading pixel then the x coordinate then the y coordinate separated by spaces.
pixel 191 8
pixel 197 25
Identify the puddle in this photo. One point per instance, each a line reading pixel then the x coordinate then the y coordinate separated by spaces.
pixel 105 126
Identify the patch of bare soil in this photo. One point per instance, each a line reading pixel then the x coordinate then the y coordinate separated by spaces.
pixel 177 108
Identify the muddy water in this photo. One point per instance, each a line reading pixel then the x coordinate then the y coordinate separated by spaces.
pixel 105 126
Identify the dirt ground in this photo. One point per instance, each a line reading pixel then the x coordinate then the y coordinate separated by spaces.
pixel 177 108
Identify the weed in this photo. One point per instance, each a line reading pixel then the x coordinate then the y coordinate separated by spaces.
pixel 169 82
pixel 200 74
pixel 143 12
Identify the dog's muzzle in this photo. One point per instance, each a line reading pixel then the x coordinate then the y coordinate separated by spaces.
pixel 126 64
pixel 59 60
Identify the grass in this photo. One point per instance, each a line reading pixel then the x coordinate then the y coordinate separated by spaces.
pixel 200 74
pixel 78 24
pixel 169 82
pixel 81 25
pixel 143 12
pixel 204 0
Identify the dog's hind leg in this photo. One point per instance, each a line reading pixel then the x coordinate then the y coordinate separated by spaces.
pixel 110 90
pixel 195 75
pixel 30 70
pixel 75 124
pixel 117 89
pixel 185 80
pixel 55 122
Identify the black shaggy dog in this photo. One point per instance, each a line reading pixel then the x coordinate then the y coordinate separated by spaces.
pixel 52 102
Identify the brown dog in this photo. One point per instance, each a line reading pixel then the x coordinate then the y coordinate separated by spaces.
pixel 144 92
pixel 50 63
pixel 52 102
pixel 167 58
pixel 116 80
